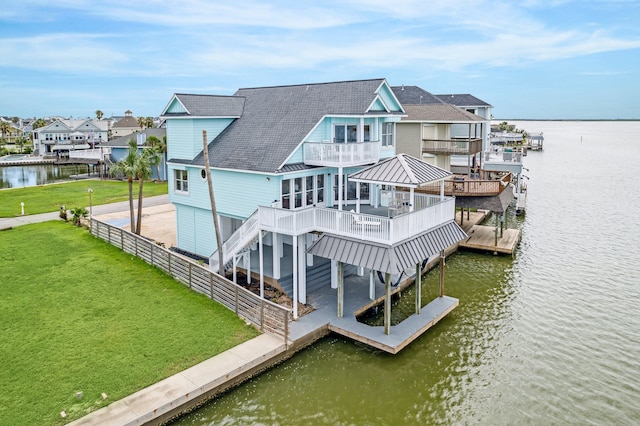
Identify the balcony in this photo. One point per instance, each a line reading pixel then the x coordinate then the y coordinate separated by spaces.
pixel 430 211
pixel 341 154
pixel 462 186
pixel 451 146
pixel 507 159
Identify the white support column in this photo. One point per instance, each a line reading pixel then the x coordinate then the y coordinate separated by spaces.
pixel 418 288
pixel 340 289
pixel 358 197
pixel 294 254
pixel 387 303
pixel 372 285
pixel 334 274
pixel 276 254
pixel 235 269
pixel 247 263
pixel 412 199
pixel 260 255
pixel 302 270
pixel 310 238
pixel 340 191
pixel 442 190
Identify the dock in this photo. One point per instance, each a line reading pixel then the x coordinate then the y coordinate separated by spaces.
pixel 483 238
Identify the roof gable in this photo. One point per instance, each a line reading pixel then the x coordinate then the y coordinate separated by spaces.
pixel 182 104
pixel 275 120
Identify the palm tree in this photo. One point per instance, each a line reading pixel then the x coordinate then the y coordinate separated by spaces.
pixel 128 167
pixel 38 123
pixel 20 141
pixel 5 129
pixel 99 114
pixel 141 122
pixel 149 122
pixel 156 153
pixel 143 171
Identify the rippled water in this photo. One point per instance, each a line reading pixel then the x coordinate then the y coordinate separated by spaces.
pixel 552 337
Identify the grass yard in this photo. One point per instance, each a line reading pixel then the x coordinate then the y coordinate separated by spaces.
pixel 49 198
pixel 79 315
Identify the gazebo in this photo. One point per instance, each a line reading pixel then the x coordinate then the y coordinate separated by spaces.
pixel 393 258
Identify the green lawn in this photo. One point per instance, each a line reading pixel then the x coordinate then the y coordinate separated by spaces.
pixel 49 198
pixel 79 315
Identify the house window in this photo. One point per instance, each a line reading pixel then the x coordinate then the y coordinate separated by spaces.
pixel 320 188
pixel 181 181
pixel 297 192
pixel 387 133
pixel 286 194
pixel 343 133
pixel 309 190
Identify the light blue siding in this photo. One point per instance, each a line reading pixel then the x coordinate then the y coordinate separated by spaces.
pixel 378 105
pixel 176 107
pixel 195 230
pixel 387 96
pixel 184 136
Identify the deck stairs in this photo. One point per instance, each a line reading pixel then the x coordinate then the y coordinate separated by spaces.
pixel 241 240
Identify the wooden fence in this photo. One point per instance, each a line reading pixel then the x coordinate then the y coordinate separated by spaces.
pixel 268 316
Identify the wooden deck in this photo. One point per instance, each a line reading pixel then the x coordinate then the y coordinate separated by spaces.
pixel 324 319
pixel 483 238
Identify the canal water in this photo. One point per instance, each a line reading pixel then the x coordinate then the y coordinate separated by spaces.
pixel 552 337
pixel 32 175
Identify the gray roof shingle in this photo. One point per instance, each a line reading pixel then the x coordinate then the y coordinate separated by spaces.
pixel 463 100
pixel 275 120
pixel 209 105
pixel 414 95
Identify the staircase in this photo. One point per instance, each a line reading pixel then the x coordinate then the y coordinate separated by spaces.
pixel 243 238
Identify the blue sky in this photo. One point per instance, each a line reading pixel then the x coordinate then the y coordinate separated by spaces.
pixel 529 59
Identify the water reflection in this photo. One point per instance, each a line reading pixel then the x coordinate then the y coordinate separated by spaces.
pixel 23 176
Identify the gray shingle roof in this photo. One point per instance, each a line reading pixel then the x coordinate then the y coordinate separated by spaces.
pixel 392 259
pixel 123 141
pixel 440 113
pixel 275 120
pixel 462 100
pixel 414 95
pixel 209 105
pixel 401 170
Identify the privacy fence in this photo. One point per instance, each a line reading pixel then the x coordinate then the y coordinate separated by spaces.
pixel 268 316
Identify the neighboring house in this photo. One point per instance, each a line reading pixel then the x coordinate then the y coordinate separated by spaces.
pixel 434 130
pixel 454 138
pixel 119 148
pixel 125 126
pixel 62 136
pixel 300 175
pixel 473 105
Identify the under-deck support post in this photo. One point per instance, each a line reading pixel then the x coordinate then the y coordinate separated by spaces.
pixel 372 285
pixel 340 289
pixel 442 273
pixel 495 243
pixel 294 254
pixel 418 288
pixel 260 255
pixel 461 216
pixel 387 303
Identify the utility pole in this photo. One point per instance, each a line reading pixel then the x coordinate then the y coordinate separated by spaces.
pixel 214 211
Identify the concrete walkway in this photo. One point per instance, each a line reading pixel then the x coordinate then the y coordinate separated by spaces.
pixel 165 399
pixel 12 222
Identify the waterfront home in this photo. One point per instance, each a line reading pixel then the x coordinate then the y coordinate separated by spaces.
pixel 118 148
pixel 62 136
pixel 125 126
pixel 306 179
pixel 453 139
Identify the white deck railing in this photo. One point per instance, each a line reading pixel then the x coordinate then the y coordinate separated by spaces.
pixel 93 154
pixel 360 225
pixel 499 154
pixel 341 154
pixel 247 232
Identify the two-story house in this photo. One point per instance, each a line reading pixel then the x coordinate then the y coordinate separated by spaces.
pixel 61 136
pixel 305 177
